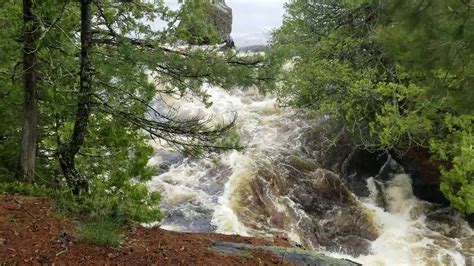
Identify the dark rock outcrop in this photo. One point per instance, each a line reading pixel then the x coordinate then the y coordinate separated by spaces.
pixel 449 223
pixel 425 175
pixel 334 150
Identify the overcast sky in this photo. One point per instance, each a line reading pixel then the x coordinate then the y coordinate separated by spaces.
pixel 253 19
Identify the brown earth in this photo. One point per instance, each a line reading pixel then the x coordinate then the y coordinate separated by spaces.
pixel 32 233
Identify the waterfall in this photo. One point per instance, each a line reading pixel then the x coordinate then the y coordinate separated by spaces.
pixel 276 187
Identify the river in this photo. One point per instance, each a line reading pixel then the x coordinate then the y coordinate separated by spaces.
pixel 275 187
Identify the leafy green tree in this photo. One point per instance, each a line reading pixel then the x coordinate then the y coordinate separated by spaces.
pixel 95 138
pixel 435 40
pixel 336 68
pixel 398 74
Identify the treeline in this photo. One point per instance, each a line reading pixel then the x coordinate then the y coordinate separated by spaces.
pixel 398 74
pixel 79 79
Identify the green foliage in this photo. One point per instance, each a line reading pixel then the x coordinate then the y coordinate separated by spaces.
pixel 103 212
pixel 433 40
pixel 129 204
pixel 126 203
pixel 457 182
pixel 10 91
pixel 231 139
pixel 134 69
pixel 398 74
pixel 329 73
pixel 24 189
pixel 100 233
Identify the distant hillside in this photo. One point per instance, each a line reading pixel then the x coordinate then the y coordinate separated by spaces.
pixel 253 48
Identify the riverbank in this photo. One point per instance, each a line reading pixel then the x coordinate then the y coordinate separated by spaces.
pixel 31 232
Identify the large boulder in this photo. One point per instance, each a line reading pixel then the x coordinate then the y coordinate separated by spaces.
pixel 220 17
pixel 294 195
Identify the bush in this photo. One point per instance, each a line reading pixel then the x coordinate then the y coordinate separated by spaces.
pixel 457 181
pixel 105 210
pixel 24 189
pixel 100 233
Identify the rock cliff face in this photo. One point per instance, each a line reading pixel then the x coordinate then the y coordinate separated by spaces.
pixel 220 16
pixel 355 165
pixel 218 19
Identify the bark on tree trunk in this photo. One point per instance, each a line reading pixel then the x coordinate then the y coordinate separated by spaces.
pixel 68 152
pixel 30 111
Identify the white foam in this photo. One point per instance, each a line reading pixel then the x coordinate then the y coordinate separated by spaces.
pixel 267 130
pixel 405 239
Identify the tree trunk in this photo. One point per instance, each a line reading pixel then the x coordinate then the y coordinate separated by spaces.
pixel 30 112
pixel 68 152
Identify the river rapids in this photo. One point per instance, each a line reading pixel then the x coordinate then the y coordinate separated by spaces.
pixel 280 185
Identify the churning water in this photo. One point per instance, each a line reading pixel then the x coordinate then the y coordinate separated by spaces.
pixel 274 187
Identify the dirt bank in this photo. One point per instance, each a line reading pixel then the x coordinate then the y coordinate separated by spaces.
pixel 31 232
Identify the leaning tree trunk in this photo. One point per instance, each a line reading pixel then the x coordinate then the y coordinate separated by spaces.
pixel 68 152
pixel 29 136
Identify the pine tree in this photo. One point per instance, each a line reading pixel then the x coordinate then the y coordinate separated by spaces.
pixel 30 112
pixel 97 95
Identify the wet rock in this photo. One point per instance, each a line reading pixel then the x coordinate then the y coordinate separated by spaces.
pixel 359 245
pixel 358 167
pixel 338 215
pixel 220 16
pixel 315 205
pixel 448 222
pixel 470 219
pixel 425 175
pixel 291 255
pixel 302 164
pixel 165 159
pixel 328 145
pixel 332 149
pixel 325 190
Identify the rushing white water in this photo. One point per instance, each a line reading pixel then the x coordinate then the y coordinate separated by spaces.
pixel 205 194
pixel 406 237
